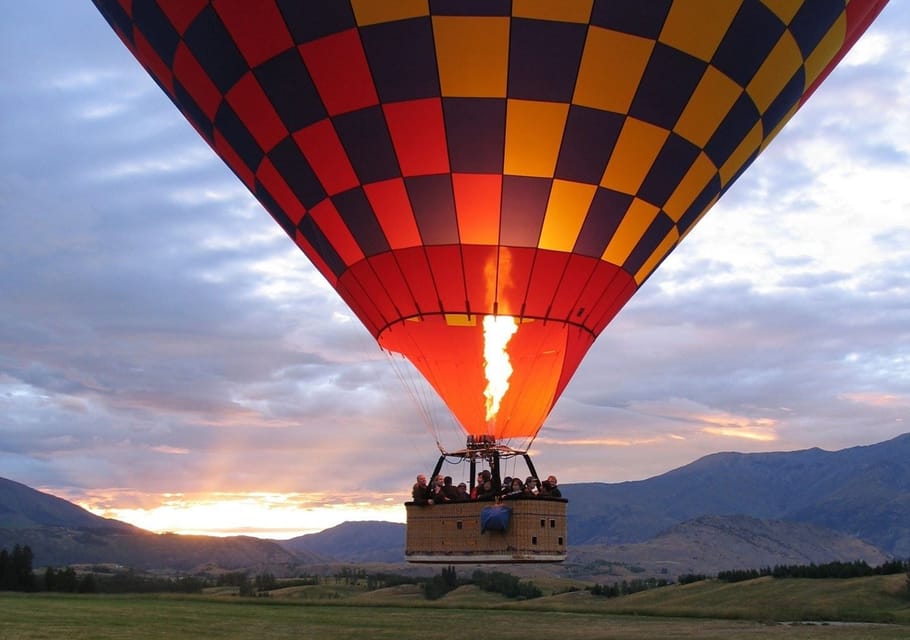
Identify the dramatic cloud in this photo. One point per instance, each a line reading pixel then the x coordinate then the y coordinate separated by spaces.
pixel 163 344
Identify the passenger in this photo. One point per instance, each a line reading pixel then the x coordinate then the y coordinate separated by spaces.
pixel 550 488
pixel 436 488
pixel 420 492
pixel 462 493
pixel 515 489
pixel 477 485
pixel 506 486
pixel 449 492
pixel 486 491
pixel 532 487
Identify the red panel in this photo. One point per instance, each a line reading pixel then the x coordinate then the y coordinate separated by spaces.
pixel 322 149
pixel 416 269
pixel 375 291
pixel 389 272
pixel 480 266
pixel 196 81
pixel 595 291
pixel 340 72
pixel 256 112
pixel 392 207
pixel 621 290
pixel 359 302
pixel 477 204
pixel 316 259
pixel 153 63
pixel 270 178
pixel 418 133
pixel 545 279
pixel 336 232
pixel 181 12
pixel 445 263
pixel 231 159
pixel 860 14
pixel 574 279
pixel 515 265
pixel 577 344
pixel 258 29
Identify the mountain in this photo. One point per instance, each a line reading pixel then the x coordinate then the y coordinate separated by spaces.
pixel 61 533
pixel 860 491
pixel 353 542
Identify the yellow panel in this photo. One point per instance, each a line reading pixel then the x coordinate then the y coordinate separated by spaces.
pixel 692 184
pixel 533 135
pixel 775 72
pixel 460 320
pixel 712 99
pixel 662 250
pixel 738 158
pixel 611 68
pixel 638 218
pixel 563 10
pixel 826 50
pixel 784 9
pixel 566 211
pixel 376 11
pixel 473 55
pixel 635 151
pixel 698 26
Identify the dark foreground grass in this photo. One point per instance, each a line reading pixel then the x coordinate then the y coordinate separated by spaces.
pixel 52 617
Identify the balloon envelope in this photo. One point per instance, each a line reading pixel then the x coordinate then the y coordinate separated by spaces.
pixel 443 161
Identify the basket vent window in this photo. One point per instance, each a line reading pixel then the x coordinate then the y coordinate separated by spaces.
pixel 534 540
pixel 543 523
pixel 552 524
pixel 559 541
pixel 459 524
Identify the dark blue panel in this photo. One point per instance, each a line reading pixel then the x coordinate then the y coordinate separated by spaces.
pixel 639 17
pixel 544 58
pixel 785 100
pixel 698 205
pixel 666 86
pixel 287 83
pixel 215 51
pixel 157 29
pixel 366 140
pixel 313 234
pixel 434 208
pixel 652 238
pixel 738 122
pixel 311 20
pixel 238 136
pixel 192 112
pixel 669 168
pixel 475 131
pixel 402 57
pixel 358 215
pixel 524 205
pixel 116 17
pixel 751 37
pixel 587 144
pixel 812 21
pixel 275 210
pixel 296 171
pixel 470 7
pixel 607 210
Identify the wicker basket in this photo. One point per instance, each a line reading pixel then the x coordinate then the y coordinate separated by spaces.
pixel 451 533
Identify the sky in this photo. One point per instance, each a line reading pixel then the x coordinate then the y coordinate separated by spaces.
pixel 169 358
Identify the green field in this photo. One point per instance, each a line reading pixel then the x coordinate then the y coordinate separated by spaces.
pixel 875 607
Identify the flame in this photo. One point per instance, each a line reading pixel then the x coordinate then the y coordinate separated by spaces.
pixel 497 331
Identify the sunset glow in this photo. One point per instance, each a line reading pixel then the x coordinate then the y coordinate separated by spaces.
pixel 263 515
pixel 497 331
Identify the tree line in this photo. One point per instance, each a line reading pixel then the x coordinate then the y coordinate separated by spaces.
pixel 857 569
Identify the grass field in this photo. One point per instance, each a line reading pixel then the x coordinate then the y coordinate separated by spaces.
pixel 839 609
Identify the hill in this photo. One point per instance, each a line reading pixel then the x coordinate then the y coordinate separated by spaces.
pixel 369 541
pixel 61 533
pixel 860 491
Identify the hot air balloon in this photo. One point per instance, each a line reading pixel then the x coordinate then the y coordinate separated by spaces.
pixel 486 183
